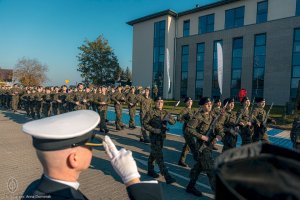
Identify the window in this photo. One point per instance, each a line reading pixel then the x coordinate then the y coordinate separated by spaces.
pixel 298 8
pixel 215 85
pixel 199 70
pixel 206 24
pixel 295 64
pixel 186 28
pixel 259 65
pixel 262 12
pixel 159 55
pixel 234 17
pixel 236 66
pixel 184 70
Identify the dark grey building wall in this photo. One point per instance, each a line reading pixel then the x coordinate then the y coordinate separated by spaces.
pixel 279 45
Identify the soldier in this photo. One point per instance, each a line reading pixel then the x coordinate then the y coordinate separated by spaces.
pixel 155 122
pixel 295 133
pixel 47 100
pixel 145 106
pixel 258 118
pixel 118 98
pixel 89 97
pixel 69 100
pixel 196 130
pixel 38 101
pixel 61 100
pixel 79 98
pixel 185 115
pixel 26 101
pixel 132 103
pixel 32 103
pixel 229 125
pixel 55 95
pixel 155 91
pixel 102 99
pixel 245 124
pixel 14 92
pixel 215 112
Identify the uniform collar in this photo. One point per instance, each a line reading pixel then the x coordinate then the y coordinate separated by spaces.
pixel 74 185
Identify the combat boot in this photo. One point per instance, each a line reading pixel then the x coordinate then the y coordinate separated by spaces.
pixel 192 189
pixel 153 174
pixel 169 179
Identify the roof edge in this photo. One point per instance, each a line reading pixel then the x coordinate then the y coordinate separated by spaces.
pixel 152 16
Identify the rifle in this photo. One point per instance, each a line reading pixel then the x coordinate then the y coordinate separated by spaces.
pixel 211 131
pixel 267 116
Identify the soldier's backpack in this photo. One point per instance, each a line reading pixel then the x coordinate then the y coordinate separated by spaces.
pixel 258 171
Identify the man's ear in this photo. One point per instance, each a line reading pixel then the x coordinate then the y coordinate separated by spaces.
pixel 73 160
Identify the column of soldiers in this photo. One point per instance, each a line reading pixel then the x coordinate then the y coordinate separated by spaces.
pixel 202 127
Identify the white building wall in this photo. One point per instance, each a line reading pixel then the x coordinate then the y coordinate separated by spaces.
pixel 142 55
pixel 281 9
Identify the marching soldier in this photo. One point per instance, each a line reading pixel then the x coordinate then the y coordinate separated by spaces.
pixel 145 106
pixel 155 122
pixel 79 98
pixel 245 124
pixel 101 99
pixel 259 117
pixel 155 91
pixel 230 127
pixel 26 101
pixel 14 93
pixel 185 116
pixel 55 104
pixel 61 100
pixel 196 130
pixel 38 101
pixel 215 112
pixel 47 100
pixel 118 98
pixel 132 102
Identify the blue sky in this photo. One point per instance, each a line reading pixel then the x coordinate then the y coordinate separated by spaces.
pixel 52 30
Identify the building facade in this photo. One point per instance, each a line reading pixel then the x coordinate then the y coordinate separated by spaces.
pixel 261 50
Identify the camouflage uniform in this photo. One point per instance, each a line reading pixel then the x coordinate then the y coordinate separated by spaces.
pixel 153 122
pixel 228 119
pixel 32 104
pixel 185 115
pixel 260 132
pixel 131 99
pixel 46 106
pixel 246 131
pixel 55 104
pixel 118 98
pixel 196 127
pixel 38 103
pixel 14 93
pixel 145 106
pixel 79 96
pixel 102 109
pixel 26 102
pixel 62 106
pixel 295 133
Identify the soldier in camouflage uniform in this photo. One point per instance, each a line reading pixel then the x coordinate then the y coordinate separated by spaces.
pixel 14 93
pixel 38 101
pixel 132 101
pixel 26 101
pixel 155 122
pixel 47 100
pixel 230 128
pixel 101 99
pixel 155 91
pixel 184 116
pixel 79 98
pixel 195 135
pixel 145 106
pixel 55 95
pixel 245 124
pixel 69 100
pixel 258 117
pixel 295 133
pixel 61 99
pixel 118 98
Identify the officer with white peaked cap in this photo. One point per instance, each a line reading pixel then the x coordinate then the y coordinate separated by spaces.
pixel 64 145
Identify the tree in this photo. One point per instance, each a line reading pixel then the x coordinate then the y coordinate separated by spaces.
pixel 128 74
pixel 97 62
pixel 30 72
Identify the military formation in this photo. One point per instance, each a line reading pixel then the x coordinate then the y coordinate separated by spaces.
pixel 202 128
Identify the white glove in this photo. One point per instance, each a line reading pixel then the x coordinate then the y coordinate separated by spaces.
pixel 122 161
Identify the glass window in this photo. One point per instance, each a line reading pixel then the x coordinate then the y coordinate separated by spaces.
pixel 296 58
pixel 234 17
pixel 206 24
pixel 236 65
pixel 186 28
pixel 262 12
pixel 199 70
pixel 260 51
pixel 296 71
pixel 260 40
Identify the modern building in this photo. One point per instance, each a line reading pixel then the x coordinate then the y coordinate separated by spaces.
pixel 260 41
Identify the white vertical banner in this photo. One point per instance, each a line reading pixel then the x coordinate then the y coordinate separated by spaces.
pixel 168 70
pixel 220 66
